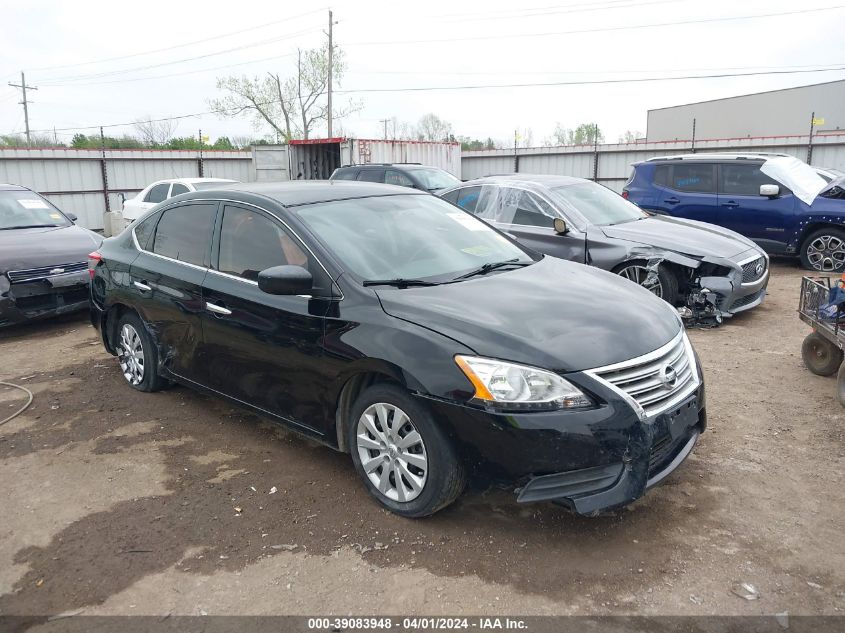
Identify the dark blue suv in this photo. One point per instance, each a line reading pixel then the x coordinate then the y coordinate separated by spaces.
pixel 777 201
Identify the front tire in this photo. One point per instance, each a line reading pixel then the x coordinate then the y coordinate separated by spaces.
pixel 824 250
pixel 137 354
pixel 404 459
pixel 665 287
pixel 820 356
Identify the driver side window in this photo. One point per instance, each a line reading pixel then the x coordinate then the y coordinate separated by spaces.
pixel 517 206
pixel 251 242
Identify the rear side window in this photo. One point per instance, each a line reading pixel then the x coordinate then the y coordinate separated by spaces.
pixel 177 189
pixel 251 242
pixel 743 180
pixel 693 178
pixel 662 175
pixel 184 233
pixel 468 198
pixel 144 231
pixel 345 174
pixel 371 175
pixel 158 193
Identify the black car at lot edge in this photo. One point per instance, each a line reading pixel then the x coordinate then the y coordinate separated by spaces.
pixel 43 258
pixel 388 324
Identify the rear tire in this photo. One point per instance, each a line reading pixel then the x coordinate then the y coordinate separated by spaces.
pixel 824 250
pixel 137 354
pixel 820 356
pixel 637 272
pixel 408 464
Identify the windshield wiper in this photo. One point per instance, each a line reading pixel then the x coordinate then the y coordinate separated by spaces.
pixel 27 226
pixel 486 268
pixel 399 283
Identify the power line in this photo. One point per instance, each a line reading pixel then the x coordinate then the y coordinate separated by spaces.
pixel 55 80
pixel 478 87
pixel 175 46
pixel 477 38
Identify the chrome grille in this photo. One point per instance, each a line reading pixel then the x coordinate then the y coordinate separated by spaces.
pixel 648 379
pixel 749 270
pixel 33 274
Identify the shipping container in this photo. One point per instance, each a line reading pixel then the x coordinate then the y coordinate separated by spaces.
pixel 316 159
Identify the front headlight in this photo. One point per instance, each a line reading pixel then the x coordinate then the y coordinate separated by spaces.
pixel 519 387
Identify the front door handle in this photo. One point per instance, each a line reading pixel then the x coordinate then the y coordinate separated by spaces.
pixel 140 285
pixel 730 204
pixel 672 201
pixel 216 309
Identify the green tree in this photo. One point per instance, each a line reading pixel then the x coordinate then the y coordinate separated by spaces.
pixel 584 134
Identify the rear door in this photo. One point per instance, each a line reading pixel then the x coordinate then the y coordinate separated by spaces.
pixel 166 279
pixel 765 220
pixel 529 218
pixel 264 350
pixel 686 189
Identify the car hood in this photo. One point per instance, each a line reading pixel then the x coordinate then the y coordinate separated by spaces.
pixel 21 249
pixel 554 314
pixel 689 237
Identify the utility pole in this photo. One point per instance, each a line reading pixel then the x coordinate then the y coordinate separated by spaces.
pixel 329 91
pixel 24 88
pixel 384 122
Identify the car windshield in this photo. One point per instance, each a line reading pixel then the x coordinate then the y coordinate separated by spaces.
pixel 598 204
pixel 211 184
pixel 25 209
pixel 432 178
pixel 407 237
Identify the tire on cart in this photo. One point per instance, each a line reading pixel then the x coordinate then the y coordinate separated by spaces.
pixel 821 357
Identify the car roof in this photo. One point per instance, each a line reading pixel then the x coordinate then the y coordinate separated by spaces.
pixel 299 192
pixel 536 180
pixel 716 156
pixel 11 187
pixel 382 165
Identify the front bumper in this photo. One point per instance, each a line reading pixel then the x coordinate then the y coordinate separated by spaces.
pixel 42 298
pixel 733 294
pixel 589 460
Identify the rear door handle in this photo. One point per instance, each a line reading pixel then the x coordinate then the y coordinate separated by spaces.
pixel 140 285
pixel 216 309
pixel 730 204
pixel 672 201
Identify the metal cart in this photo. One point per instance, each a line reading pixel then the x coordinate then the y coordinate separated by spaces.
pixel 822 348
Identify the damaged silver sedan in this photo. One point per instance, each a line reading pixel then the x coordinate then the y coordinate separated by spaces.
pixel 708 272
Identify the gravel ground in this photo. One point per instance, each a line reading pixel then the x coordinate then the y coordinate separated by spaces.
pixel 118 502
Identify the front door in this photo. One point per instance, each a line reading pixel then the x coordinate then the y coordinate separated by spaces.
pixel 530 219
pixel 166 282
pixel 264 350
pixel 767 221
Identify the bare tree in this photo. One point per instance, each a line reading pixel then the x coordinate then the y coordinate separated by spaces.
pixel 152 132
pixel 293 106
pixel 629 136
pixel 432 128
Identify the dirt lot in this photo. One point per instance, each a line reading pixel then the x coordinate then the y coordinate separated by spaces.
pixel 118 502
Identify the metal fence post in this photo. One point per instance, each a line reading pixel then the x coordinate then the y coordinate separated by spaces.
pixel 104 171
pixel 595 152
pixel 810 139
pixel 200 167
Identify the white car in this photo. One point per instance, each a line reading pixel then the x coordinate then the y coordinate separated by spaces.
pixel 161 190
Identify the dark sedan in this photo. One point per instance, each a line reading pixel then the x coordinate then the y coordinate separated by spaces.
pixel 683 261
pixel 385 323
pixel 43 258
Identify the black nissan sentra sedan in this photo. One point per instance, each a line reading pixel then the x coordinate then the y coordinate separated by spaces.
pixel 388 324
pixel 43 258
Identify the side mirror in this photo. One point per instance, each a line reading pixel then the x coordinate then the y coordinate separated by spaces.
pixel 769 191
pixel 71 216
pixel 285 280
pixel 560 226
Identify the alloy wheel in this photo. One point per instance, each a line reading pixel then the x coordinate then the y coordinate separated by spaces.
pixel 826 253
pixel 392 452
pixel 130 354
pixel 645 277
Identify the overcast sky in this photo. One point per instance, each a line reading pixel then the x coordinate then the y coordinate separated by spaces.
pixel 392 44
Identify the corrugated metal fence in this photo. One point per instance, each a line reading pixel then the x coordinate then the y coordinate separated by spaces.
pixel 611 164
pixel 87 182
